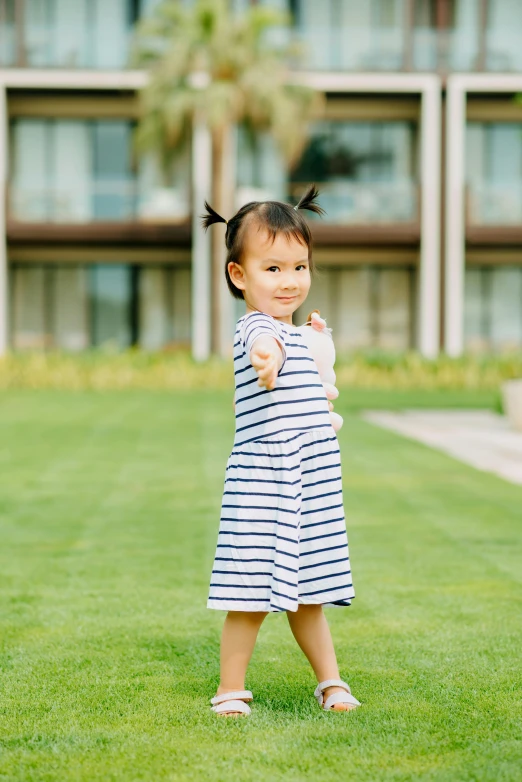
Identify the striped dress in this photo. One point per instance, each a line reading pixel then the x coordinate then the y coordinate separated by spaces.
pixel 282 534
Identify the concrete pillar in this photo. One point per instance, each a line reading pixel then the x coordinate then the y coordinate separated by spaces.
pixel 4 312
pixel 201 253
pixel 429 270
pixel 455 218
pixel 225 306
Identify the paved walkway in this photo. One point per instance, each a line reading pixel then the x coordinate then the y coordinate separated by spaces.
pixel 478 437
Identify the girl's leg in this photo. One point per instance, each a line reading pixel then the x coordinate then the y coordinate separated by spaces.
pixel 237 644
pixel 312 633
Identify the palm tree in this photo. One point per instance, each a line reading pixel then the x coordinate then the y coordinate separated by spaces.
pixel 209 64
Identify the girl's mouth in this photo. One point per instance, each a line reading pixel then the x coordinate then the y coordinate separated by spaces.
pixel 286 298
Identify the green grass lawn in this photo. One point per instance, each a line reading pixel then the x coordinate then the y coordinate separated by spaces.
pixel 109 506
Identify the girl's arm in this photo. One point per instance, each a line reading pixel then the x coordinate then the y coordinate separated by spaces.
pixel 266 356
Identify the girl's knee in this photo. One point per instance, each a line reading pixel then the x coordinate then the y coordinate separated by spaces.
pixel 310 608
pixel 253 617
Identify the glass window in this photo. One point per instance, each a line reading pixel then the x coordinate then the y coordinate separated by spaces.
pixel 364 170
pixel 7 32
pixel 38 32
pixel 113 191
pixel 475 329
pixel 70 311
pixel 73 307
pixel 110 301
pixel 506 308
pixel 424 13
pixel 425 36
pixel 181 305
pixel 29 194
pixel 351 35
pixel 69 164
pixel 365 306
pixel 28 316
pixel 72 171
pixel 464 35
pixel 111 31
pixel 70 33
pixel 161 197
pixel 394 309
pixel 77 33
pixel 164 307
pixel 352 310
pixel 260 169
pixel 494 172
pixel 504 152
pixel 154 308
pixel 504 36
pixel 493 308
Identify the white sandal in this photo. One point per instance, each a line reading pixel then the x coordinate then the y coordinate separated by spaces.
pixel 335 697
pixel 229 702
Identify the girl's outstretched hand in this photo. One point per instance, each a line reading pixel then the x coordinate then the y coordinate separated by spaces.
pixel 266 358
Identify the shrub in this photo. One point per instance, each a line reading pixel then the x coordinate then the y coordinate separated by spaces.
pixel 136 369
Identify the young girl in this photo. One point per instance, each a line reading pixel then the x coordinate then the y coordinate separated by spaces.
pixel 282 543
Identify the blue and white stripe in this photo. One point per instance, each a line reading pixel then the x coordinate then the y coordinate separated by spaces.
pixel 282 536
pixel 298 400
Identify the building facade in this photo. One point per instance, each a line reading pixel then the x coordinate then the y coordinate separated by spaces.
pixel 418 160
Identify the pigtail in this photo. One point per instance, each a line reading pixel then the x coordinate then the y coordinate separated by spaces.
pixel 307 201
pixel 211 217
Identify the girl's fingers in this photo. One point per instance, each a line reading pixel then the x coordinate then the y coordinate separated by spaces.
pixel 265 364
pixel 267 375
pixel 266 368
pixel 260 358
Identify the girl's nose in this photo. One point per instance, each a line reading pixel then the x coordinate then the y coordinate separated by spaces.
pixel 289 283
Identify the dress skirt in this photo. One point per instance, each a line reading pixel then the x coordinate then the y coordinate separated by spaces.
pixel 282 535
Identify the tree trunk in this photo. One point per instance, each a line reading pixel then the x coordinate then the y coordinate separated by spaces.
pixel 223 189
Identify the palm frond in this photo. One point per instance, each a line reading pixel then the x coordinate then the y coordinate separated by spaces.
pixel 247 70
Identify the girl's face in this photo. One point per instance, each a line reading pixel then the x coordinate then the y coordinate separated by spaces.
pixel 274 276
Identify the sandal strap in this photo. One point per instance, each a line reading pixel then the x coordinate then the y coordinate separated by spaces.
pixel 340 697
pixel 231 706
pixel 330 683
pixel 242 695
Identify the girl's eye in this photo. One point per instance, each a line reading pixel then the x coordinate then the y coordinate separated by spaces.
pixel 301 266
pixel 273 268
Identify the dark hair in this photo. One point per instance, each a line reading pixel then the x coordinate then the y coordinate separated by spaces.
pixel 276 216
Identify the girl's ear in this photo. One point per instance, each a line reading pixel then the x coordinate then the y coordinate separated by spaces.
pixel 236 274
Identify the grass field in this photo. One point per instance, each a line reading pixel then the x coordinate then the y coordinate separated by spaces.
pixel 109 508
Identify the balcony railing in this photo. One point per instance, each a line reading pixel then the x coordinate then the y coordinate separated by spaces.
pixel 494 204
pixel 367 202
pixel 102 201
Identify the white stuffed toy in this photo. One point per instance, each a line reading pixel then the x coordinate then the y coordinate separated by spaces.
pixel 320 343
